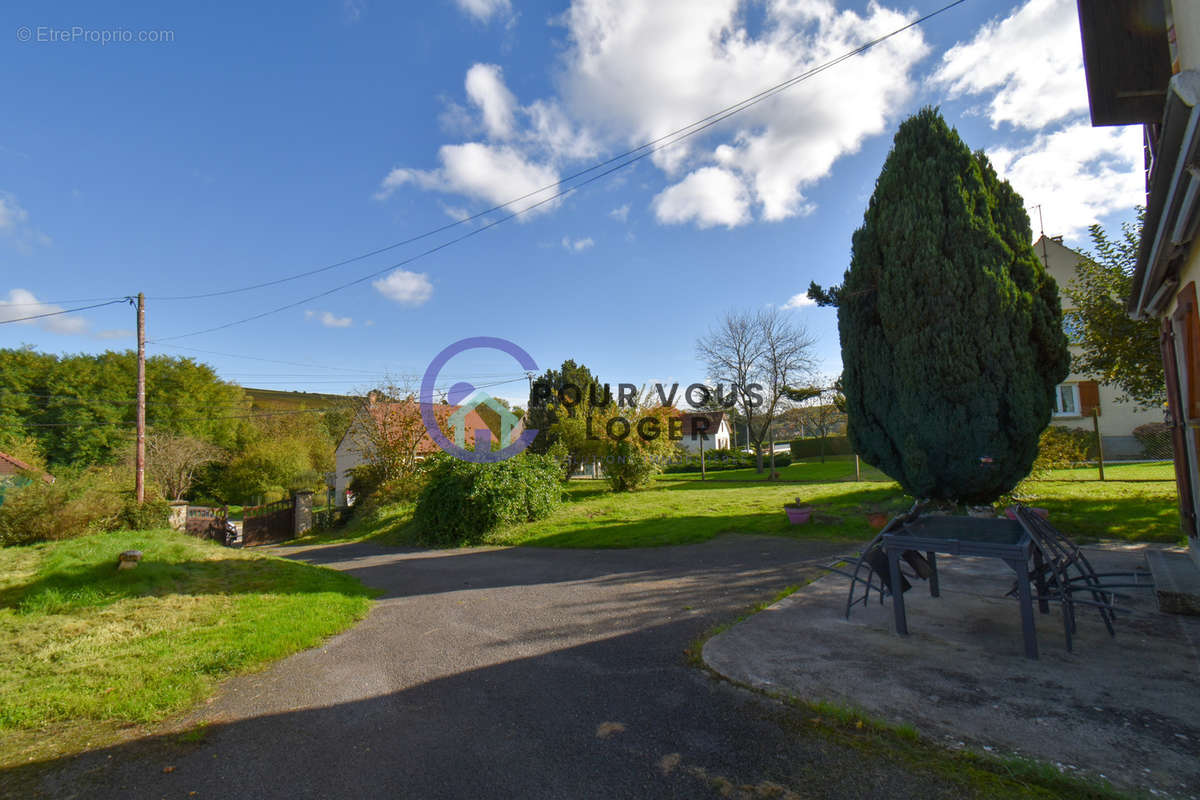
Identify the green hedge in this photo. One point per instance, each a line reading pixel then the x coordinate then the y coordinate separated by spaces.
pixel 811 448
pixel 718 460
pixel 463 501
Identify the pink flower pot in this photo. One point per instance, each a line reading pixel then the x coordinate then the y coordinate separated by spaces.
pixel 798 516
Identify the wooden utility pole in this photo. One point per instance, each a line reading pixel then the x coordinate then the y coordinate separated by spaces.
pixel 140 478
pixel 1099 441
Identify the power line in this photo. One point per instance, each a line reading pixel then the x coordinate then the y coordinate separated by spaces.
pixel 257 358
pixel 62 311
pixel 626 159
pixel 6 304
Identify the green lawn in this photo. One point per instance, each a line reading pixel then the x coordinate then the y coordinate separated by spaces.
pixel 1135 503
pixel 810 470
pixel 86 650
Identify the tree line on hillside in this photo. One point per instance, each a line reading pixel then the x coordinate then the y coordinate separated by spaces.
pixel 207 440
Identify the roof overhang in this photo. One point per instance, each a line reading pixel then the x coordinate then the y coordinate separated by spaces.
pixel 1173 202
pixel 1127 59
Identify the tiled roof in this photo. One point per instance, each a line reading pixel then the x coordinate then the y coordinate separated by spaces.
pixel 10 465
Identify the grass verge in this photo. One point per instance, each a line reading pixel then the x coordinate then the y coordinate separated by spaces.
pixel 86 650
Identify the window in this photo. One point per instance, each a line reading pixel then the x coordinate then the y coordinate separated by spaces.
pixel 1066 400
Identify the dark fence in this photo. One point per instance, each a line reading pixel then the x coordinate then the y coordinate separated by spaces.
pixel 274 522
pixel 207 522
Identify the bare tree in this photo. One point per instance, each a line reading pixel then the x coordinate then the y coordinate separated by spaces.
pixel 759 354
pixel 172 460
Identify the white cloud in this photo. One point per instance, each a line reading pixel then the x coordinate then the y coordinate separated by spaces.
pixel 484 10
pixel 352 10
pixel 801 300
pixel 493 173
pixel 1031 59
pixel 329 319
pixel 406 288
pixel 1076 174
pixel 486 90
pixel 14 224
pixel 576 245
pixel 635 71
pixel 22 303
pixel 621 213
pixel 709 196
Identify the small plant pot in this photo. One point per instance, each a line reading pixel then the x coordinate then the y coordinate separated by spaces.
pixel 877 520
pixel 798 515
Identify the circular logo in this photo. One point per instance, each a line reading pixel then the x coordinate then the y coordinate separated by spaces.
pixel 467 397
pixel 24 34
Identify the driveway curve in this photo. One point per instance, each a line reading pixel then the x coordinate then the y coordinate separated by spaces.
pixel 501 673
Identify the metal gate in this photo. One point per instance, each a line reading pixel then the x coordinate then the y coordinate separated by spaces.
pixel 206 522
pixel 274 522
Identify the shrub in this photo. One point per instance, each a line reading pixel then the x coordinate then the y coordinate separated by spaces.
pixel 1060 447
pixel 77 503
pixel 951 328
pixel 154 513
pixel 462 501
pixel 627 467
pixel 811 448
pixel 723 459
pixel 1156 440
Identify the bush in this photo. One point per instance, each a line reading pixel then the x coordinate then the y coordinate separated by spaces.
pixel 628 467
pixel 1156 440
pixel 719 460
pixel 811 448
pixel 1060 447
pixel 77 503
pixel 462 501
pixel 154 513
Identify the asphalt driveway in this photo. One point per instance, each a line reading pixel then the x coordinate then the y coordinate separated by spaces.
pixel 503 673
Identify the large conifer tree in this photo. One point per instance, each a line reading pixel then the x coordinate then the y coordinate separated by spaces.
pixel 951 330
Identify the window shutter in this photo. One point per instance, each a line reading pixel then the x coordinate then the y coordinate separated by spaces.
pixel 1183 482
pixel 1187 319
pixel 1089 398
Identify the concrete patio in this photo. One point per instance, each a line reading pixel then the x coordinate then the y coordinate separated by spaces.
pixel 1127 709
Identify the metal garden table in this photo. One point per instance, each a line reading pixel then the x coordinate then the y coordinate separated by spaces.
pixel 1004 539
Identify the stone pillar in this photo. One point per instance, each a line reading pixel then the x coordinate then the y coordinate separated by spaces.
pixel 178 517
pixel 302 513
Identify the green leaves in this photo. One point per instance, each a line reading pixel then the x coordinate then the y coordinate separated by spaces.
pixel 951 330
pixel 1113 347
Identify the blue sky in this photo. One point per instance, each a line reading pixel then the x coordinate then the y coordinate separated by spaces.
pixel 256 144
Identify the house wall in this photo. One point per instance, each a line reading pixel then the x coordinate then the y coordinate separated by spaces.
pixel 347 456
pixel 1186 19
pixel 1117 419
pixel 714 441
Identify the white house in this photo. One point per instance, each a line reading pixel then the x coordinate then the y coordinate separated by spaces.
pixel 710 428
pixel 400 421
pixel 1079 394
